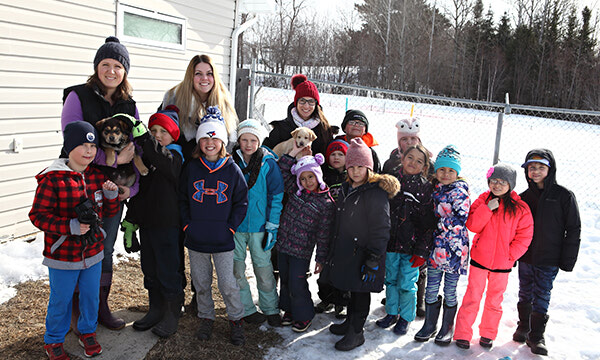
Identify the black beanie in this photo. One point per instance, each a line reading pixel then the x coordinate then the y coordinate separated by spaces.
pixel 355 115
pixel 112 49
pixel 77 133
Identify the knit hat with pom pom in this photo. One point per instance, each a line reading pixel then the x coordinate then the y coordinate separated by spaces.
pixel 304 88
pixel 212 125
pixel 112 49
pixel 312 164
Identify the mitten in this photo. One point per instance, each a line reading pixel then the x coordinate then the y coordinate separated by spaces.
pixel 270 236
pixel 417 261
pixel 139 129
pixel 369 269
pixel 130 241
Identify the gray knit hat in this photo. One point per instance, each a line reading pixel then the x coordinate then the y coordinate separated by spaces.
pixel 112 49
pixel 504 172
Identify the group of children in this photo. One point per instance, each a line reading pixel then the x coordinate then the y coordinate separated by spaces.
pixel 369 229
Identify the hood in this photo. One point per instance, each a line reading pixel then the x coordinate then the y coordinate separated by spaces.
pixel 388 183
pixel 57 165
pixel 551 178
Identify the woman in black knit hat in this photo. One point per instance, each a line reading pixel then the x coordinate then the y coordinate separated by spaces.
pixel 106 93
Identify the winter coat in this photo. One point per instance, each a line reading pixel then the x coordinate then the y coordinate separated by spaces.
pixel 86 103
pixel 160 186
pixel 265 195
pixel 306 219
pixel 370 141
pixel 334 179
pixel 59 191
pixel 557 225
pixel 451 205
pixel 213 203
pixel 500 238
pixel 412 217
pixel 361 230
pixel 282 130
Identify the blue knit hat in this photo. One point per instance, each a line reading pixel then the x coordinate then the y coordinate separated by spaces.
pixel 78 133
pixel 449 157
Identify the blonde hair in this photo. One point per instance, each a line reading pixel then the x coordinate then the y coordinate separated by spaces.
pixel 197 152
pixel 190 104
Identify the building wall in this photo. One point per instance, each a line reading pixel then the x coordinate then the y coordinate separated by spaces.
pixel 49 45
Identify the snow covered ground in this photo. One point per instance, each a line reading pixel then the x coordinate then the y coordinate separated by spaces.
pixel 574 313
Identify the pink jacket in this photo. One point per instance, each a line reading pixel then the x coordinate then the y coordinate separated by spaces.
pixel 500 238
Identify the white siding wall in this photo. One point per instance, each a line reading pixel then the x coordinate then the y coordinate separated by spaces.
pixel 49 45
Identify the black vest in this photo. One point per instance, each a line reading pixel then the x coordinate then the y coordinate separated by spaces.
pixel 95 107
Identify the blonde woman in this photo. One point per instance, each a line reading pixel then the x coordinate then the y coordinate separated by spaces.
pixel 200 88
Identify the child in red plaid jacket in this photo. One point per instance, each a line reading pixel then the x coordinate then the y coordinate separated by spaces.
pixel 70 201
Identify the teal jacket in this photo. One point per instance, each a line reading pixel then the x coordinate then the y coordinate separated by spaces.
pixel 265 196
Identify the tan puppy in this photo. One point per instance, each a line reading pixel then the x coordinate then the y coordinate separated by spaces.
pixel 303 137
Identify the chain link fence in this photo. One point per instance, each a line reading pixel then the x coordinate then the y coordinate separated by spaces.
pixel 482 131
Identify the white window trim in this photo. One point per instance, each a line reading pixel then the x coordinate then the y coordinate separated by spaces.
pixel 122 8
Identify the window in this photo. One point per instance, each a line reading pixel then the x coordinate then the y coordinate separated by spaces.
pixel 150 28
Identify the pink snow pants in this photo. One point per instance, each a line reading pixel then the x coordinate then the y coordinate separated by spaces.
pixel 492 309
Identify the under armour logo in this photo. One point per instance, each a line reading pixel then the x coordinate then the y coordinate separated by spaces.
pixel 219 192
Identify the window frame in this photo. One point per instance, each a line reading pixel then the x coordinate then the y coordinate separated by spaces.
pixel 123 8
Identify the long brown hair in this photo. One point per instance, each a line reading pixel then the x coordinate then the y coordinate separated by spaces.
pixel 425 153
pixel 122 92
pixel 190 104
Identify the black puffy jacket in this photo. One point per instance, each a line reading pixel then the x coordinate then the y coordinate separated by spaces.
pixel 557 226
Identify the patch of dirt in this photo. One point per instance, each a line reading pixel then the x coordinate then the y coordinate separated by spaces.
pixel 23 322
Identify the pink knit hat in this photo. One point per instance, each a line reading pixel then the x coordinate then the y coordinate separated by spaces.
pixel 409 127
pixel 312 164
pixel 359 154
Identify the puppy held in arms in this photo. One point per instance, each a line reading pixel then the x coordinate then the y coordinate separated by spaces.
pixel 302 136
pixel 115 135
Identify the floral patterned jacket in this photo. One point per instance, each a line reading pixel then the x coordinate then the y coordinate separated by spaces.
pixel 450 251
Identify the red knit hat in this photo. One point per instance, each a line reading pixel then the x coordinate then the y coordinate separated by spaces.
pixel 168 119
pixel 359 154
pixel 304 88
pixel 336 145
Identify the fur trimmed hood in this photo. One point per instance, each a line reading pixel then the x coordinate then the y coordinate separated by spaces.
pixel 388 183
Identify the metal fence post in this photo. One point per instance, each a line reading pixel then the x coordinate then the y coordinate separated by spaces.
pixel 499 129
pixel 252 85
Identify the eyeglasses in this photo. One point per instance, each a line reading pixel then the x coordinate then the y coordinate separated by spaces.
pixel 498 182
pixel 356 123
pixel 303 101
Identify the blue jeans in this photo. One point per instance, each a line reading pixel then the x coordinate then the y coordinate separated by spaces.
pixel 535 285
pixel 62 286
pixel 294 296
pixel 434 280
pixel 111 225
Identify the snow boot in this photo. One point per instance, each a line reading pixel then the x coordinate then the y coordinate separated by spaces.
pixel 205 329
pixel 444 336
pixel 535 338
pixel 170 321
pixel 401 327
pixel 486 342
pixel 75 313
pixel 155 312
pixel 432 313
pixel 105 317
pixel 387 321
pixel 237 333
pixel 323 306
pixel 351 340
pixel 520 334
pixel 255 318
pixel 421 283
pixel 341 328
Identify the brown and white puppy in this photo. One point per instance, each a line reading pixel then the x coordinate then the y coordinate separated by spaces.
pixel 302 136
pixel 114 137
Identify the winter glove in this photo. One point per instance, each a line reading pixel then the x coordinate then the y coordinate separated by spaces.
pixel 87 215
pixel 130 241
pixel 270 236
pixel 417 261
pixel 138 127
pixel 369 269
